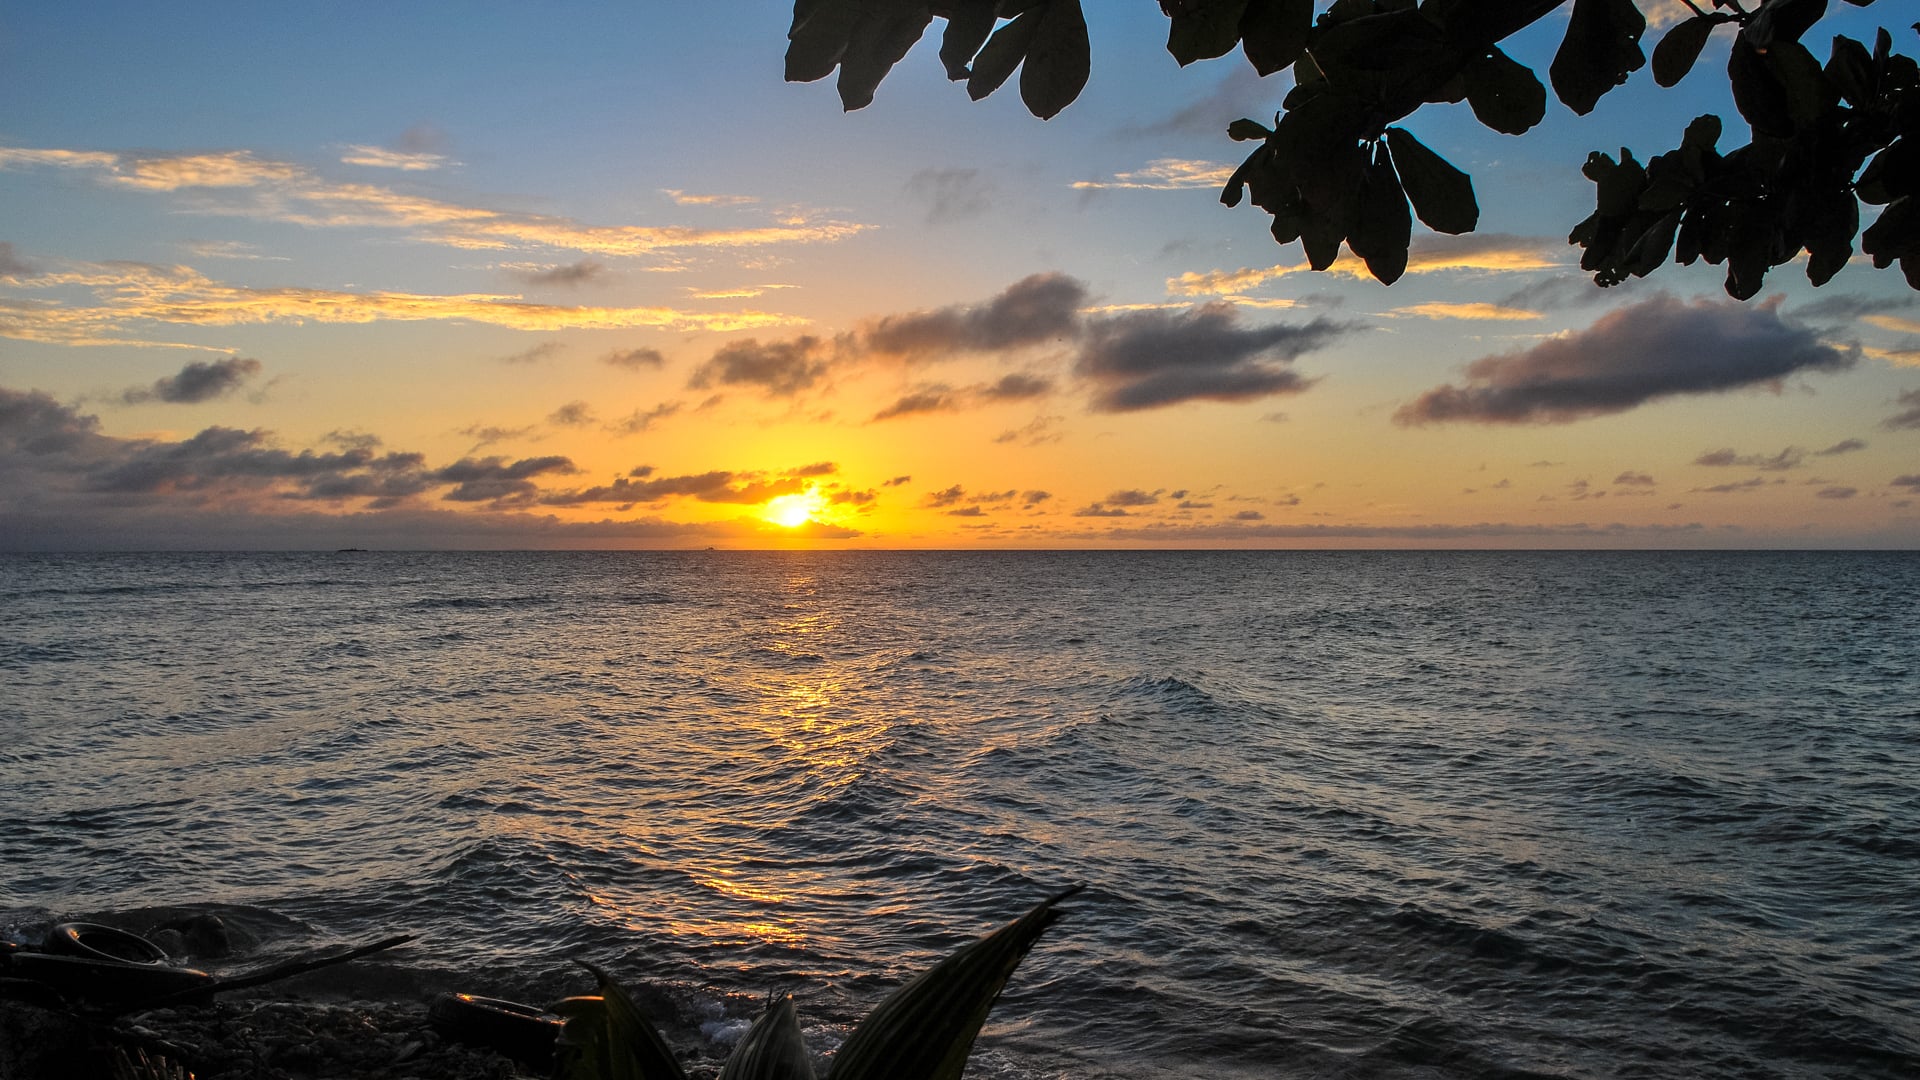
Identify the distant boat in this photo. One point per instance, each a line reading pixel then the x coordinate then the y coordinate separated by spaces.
pixel 343 551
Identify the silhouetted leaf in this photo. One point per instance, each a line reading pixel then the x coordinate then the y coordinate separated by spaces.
pixel 772 1048
pixel 1441 194
pixel 925 1029
pixel 819 38
pixel 1850 69
pixel 1896 235
pixel 1058 60
pixel 1828 224
pixel 1807 91
pixel 1003 52
pixel 1779 22
pixel 1758 95
pixel 1243 130
pixel 1385 227
pixel 1320 238
pixel 878 43
pixel 1650 249
pixel 1504 94
pixel 1601 49
pixel 1204 30
pixel 1893 172
pixel 1677 51
pixel 1274 32
pixel 968 24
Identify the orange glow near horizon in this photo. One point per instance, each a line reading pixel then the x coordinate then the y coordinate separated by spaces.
pixel 793 511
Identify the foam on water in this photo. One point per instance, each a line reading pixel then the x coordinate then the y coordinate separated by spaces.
pixel 1394 815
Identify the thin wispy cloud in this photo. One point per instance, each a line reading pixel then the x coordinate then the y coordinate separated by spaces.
pixel 951 195
pixel 1488 253
pixel 561 275
pixel 128 295
pixel 238 183
pixel 1164 174
pixel 1908 418
pixel 687 198
pixel 379 157
pixel 1476 310
pixel 640 420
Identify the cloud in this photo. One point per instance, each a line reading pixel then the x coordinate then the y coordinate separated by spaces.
pixel 683 198
pixel 929 399
pixel 1034 497
pixel 1098 510
pixel 1736 486
pixel 1148 359
pixel 63 484
pixel 1239 93
pixel 1844 446
pixel 1249 515
pixel 1843 306
pixel 1483 311
pixel 778 368
pixel 1909 417
pixel 544 351
pixel 1790 458
pixel 951 195
pixel 238 183
pixel 1911 482
pixel 1894 323
pixel 129 294
pixel 1132 497
pixel 1040 431
pixel 1633 479
pixel 940 397
pixel 572 414
pixel 197 382
pixel 1017 387
pixel 1660 347
pixel 949 497
pixel 635 359
pixel 1486 252
pixel 10 266
pixel 489 435
pixel 1837 492
pixel 1165 174
pixel 564 275
pixel 379 157
pixel 638 421
pixel 1031 311
pixel 716 486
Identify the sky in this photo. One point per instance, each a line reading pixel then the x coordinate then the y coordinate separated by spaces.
pixel 567 275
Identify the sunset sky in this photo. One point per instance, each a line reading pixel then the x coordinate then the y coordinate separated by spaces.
pixel 573 275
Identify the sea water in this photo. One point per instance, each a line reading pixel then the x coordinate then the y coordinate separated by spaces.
pixel 1337 814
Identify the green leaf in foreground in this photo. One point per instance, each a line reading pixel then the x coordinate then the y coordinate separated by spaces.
pixel 925 1029
pixel 772 1048
pixel 629 1046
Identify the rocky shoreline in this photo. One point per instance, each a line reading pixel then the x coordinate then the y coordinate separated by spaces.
pixel 268 1036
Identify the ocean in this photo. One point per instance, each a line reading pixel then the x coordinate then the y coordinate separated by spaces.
pixel 1371 814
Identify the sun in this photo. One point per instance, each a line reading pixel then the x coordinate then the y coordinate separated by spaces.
pixel 793 511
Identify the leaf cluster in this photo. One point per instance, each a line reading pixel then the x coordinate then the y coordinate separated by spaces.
pixel 1825 139
pixel 922 1031
pixel 1338 166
